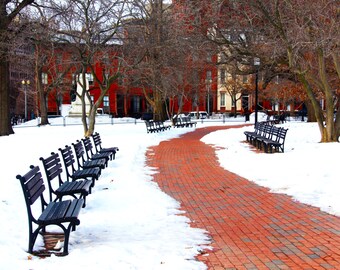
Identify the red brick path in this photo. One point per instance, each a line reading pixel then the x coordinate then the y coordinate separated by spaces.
pixel 250 227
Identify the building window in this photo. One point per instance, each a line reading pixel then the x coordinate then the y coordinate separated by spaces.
pixel 222 75
pixel 89 77
pixel 208 74
pixel 209 57
pixel 222 100
pixel 136 104
pixel 44 78
pixel 74 79
pixel 106 102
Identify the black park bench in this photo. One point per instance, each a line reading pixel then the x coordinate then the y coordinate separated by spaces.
pixel 150 127
pixel 276 141
pixel 187 122
pixel 74 173
pixel 83 162
pixel 63 214
pixel 60 188
pixel 161 126
pixel 91 155
pixel 268 137
pixel 99 149
pixel 155 126
pixel 178 122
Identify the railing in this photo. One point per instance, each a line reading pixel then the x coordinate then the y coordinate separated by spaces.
pixel 107 120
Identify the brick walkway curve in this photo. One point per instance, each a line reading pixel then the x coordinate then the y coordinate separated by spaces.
pixel 250 227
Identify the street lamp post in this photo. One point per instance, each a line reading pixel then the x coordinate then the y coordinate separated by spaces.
pixel 25 83
pixel 256 64
pixel 208 85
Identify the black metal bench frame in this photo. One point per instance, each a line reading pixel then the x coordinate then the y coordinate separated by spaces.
pixel 155 126
pixel 178 122
pixel 83 163
pixel 150 127
pixel 53 170
pixel 90 153
pixel 268 137
pixel 160 126
pixel 258 130
pixel 276 141
pixel 53 213
pixel 187 122
pixel 72 173
pixel 97 141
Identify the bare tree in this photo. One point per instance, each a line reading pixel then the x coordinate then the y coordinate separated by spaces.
pixel 145 50
pixel 49 61
pixel 92 29
pixel 309 34
pixel 9 10
pixel 293 39
pixel 165 54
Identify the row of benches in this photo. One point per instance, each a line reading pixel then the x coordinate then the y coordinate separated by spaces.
pixel 184 122
pixel 155 126
pixel 267 137
pixel 158 126
pixel 83 166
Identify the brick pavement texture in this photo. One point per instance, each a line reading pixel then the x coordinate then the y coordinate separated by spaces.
pixel 250 228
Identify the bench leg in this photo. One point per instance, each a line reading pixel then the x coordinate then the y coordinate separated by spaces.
pixel 84 197
pixel 32 238
pixel 67 231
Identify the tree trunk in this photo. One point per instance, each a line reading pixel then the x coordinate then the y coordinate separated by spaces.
pixel 324 131
pixel 42 97
pixel 5 116
pixel 329 96
pixel 310 112
pixel 83 113
pixel 43 108
pixel 234 102
pixel 158 108
pixel 92 122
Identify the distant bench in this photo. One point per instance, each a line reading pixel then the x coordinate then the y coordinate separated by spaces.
pixel 155 126
pixel 184 122
pixel 267 136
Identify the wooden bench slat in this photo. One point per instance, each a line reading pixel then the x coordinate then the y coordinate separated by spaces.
pixel 54 212
pixel 74 209
pixel 34 185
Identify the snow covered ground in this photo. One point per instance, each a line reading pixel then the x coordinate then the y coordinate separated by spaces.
pixel 129 223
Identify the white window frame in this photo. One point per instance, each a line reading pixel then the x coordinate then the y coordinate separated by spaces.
pixel 44 78
pixel 106 101
pixel 89 77
pixel 223 99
